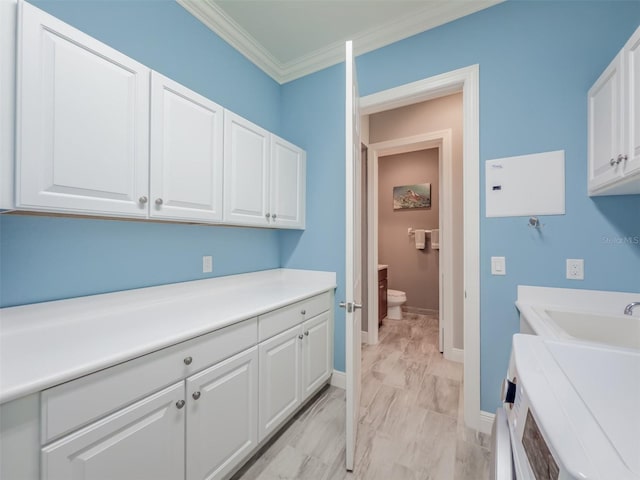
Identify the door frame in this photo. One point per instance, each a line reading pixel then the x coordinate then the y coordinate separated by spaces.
pixel 442 140
pixel 465 80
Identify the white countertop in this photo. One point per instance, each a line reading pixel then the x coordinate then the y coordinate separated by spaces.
pixel 382 267
pixel 45 344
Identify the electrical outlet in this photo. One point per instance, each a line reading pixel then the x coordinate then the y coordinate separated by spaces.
pixel 207 264
pixel 575 268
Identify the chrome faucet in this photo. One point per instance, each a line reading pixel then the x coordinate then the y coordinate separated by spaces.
pixel 628 310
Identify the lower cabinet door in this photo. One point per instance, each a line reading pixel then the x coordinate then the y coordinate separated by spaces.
pixel 279 379
pixel 142 441
pixel 316 353
pixel 222 416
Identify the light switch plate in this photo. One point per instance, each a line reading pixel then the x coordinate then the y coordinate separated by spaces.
pixel 498 266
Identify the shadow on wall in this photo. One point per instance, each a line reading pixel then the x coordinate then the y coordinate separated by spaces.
pixel 616 210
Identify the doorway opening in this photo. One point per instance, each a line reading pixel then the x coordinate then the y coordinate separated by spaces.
pixel 463 81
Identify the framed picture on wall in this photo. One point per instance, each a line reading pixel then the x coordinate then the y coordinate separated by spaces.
pixel 412 196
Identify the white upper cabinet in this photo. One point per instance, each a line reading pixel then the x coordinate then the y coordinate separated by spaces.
pixel 98 133
pixel 614 125
pixel 264 177
pixel 186 153
pixel 8 9
pixel 82 122
pixel 631 55
pixel 288 164
pixel 246 171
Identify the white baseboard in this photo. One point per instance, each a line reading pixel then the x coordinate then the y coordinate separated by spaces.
pixel 457 355
pixel 339 379
pixel 486 422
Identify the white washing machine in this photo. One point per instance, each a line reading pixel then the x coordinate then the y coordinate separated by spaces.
pixel 573 412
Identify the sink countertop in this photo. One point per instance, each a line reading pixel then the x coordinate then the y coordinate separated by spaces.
pixel 45 344
pixel 382 267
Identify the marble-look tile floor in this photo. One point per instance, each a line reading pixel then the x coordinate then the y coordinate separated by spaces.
pixel 410 426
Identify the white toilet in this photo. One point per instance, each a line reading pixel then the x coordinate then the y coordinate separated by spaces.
pixel 395 299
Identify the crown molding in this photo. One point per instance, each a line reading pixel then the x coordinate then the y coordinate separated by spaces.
pixel 438 13
pixel 231 32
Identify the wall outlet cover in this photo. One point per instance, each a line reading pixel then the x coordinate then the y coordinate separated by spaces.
pixel 207 264
pixel 575 268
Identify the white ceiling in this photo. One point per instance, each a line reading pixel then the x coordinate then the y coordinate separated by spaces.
pixel 292 38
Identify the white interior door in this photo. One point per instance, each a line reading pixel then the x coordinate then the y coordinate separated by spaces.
pixel 353 275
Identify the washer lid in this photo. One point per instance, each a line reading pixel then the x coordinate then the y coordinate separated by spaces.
pixel 608 382
pixel 584 398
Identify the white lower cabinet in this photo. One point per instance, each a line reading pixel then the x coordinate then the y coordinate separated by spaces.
pixel 142 441
pixel 222 416
pixel 228 391
pixel 293 365
pixel 280 367
pixel 317 353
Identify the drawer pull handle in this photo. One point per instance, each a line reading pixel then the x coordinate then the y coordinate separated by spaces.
pixel 303 312
pixel 307 333
pixel 188 360
pixel 180 404
pixel 300 337
pixel 196 395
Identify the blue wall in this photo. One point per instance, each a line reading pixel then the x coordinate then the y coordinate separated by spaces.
pixel 537 61
pixel 51 258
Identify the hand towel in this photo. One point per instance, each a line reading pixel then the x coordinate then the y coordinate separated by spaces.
pixel 420 237
pixel 435 239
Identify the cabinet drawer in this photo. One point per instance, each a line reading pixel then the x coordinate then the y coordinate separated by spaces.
pixel 73 404
pixel 272 323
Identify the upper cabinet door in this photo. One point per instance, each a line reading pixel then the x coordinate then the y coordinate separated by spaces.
pixel 631 107
pixel 82 122
pixel 186 153
pixel 246 172
pixel 288 164
pixel 605 126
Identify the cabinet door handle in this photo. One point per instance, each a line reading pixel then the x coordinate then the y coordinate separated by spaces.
pixel 621 158
pixel 143 199
pixel 180 404
pixel 267 215
pixel 300 336
pixel 303 312
pixel 273 216
pixel 196 395
pixel 307 333
pixel 188 360
pixel 158 201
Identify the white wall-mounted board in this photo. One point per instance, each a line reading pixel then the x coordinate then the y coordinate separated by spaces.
pixel 525 185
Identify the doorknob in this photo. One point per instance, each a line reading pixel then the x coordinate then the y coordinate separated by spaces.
pixel 350 306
